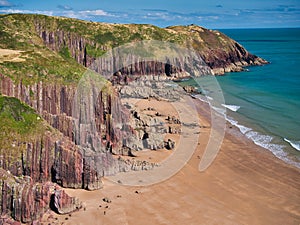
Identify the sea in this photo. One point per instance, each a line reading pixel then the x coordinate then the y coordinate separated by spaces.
pixel 263 102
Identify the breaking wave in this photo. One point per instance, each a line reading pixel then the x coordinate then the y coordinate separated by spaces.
pixel 294 144
pixel 233 108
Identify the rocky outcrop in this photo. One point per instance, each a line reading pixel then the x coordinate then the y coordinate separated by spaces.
pixel 62 203
pixel 230 61
pixel 151 87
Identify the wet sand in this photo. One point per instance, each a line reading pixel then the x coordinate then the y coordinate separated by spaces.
pixel 245 184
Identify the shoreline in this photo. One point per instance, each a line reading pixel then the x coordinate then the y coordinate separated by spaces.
pixel 244 185
pixel 280 147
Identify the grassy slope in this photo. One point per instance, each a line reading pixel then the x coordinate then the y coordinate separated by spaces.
pixel 19 124
pixel 17 31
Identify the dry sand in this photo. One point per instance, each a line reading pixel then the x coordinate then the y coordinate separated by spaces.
pixel 245 185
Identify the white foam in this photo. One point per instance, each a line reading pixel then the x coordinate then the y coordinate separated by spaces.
pixel 259 139
pixel 201 98
pixel 243 129
pixel 185 79
pixel 171 84
pixel 219 110
pixel 233 108
pixel 265 142
pixel 294 144
pixel 209 98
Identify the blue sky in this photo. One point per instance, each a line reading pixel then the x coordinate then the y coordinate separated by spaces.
pixel 208 13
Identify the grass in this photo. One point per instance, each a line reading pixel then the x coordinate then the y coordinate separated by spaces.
pixel 19 124
pixel 18 117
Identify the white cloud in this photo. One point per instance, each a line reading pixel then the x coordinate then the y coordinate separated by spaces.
pixel 84 14
pixel 49 13
pixel 67 13
pixel 64 7
pixel 4 3
pixel 97 12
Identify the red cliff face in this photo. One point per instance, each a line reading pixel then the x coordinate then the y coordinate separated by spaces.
pixel 56 40
pixel 55 103
pixel 54 156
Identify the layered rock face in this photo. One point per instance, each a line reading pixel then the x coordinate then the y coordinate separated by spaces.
pixel 54 103
pixel 58 157
pixel 122 67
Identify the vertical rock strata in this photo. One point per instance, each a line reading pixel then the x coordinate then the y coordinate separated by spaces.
pixel 55 156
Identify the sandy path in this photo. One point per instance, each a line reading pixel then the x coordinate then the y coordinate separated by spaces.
pixel 8 55
pixel 245 185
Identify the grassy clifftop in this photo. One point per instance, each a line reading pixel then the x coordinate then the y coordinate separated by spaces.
pixel 35 61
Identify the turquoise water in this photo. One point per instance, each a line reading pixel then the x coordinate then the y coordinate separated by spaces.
pixel 265 101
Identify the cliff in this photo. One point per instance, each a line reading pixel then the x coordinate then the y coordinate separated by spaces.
pixel 76 41
pixel 53 132
pixel 60 149
pixel 28 149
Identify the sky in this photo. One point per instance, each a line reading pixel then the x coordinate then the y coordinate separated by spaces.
pixel 213 14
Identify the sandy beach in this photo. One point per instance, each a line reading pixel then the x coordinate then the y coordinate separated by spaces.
pixel 245 184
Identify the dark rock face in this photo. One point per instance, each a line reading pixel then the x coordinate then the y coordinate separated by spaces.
pixel 55 40
pixel 230 61
pixel 169 144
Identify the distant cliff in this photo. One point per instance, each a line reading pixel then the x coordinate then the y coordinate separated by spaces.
pixel 45 140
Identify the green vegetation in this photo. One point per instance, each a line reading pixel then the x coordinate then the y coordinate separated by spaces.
pixel 65 53
pixel 93 51
pixel 17 117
